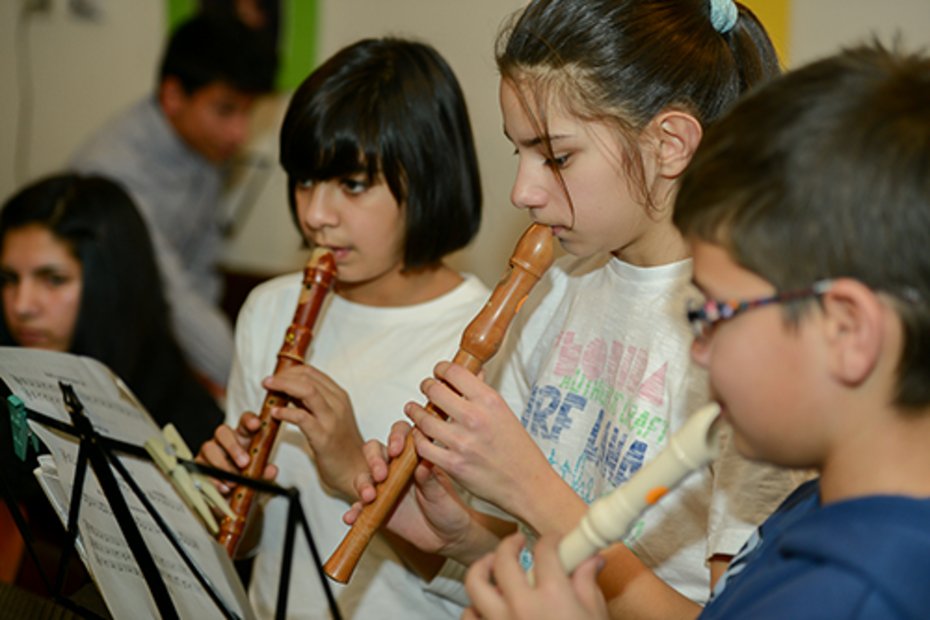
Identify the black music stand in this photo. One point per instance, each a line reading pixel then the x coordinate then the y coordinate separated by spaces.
pixel 100 453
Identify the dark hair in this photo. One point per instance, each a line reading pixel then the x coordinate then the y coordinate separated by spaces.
pixel 624 61
pixel 391 108
pixel 825 173
pixel 204 50
pixel 123 318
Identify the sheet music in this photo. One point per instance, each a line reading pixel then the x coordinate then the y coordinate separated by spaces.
pixel 33 375
pixel 47 475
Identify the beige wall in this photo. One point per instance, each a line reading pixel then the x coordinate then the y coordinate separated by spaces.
pixel 821 27
pixel 81 72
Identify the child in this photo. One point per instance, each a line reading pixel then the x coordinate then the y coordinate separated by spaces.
pixel 816 229
pixel 605 102
pixel 78 275
pixel 382 171
pixel 170 150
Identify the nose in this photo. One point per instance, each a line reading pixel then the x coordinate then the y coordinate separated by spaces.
pixel 316 208
pixel 23 298
pixel 237 129
pixel 527 191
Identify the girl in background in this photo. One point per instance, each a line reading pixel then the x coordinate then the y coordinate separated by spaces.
pixel 78 275
pixel 381 170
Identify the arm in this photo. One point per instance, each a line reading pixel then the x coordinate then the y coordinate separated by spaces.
pixel 202 329
pixel 323 412
pixel 487 451
pixel 121 150
pixel 480 449
pixel 633 591
pixel 431 515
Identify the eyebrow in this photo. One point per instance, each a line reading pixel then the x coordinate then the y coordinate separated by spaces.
pixel 52 270
pixel 535 141
pixel 43 271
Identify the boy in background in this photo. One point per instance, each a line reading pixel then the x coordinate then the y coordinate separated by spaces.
pixel 170 151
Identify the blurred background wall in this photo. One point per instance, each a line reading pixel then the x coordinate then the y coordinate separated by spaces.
pixel 67 65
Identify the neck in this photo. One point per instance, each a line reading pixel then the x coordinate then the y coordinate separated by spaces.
pixel 660 241
pixel 660 244
pixel 887 457
pixel 402 288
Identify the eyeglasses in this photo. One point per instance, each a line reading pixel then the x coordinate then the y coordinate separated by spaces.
pixel 705 315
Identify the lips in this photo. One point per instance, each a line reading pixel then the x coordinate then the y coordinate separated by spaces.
pixel 30 337
pixel 339 252
pixel 555 228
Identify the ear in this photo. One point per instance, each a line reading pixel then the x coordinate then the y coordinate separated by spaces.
pixel 855 330
pixel 171 96
pixel 678 135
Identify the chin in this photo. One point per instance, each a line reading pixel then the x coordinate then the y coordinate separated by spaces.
pixel 576 249
pixel 745 448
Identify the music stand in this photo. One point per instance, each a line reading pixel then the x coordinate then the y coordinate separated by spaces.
pixel 100 454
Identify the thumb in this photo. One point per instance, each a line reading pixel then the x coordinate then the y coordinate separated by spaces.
pixel 584 582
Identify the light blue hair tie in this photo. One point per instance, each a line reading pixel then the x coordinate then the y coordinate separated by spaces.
pixel 723 15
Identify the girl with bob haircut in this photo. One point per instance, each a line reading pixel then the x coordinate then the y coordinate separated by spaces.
pixel 605 102
pixel 391 110
pixel 381 171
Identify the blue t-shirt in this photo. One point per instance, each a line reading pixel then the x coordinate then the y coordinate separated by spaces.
pixel 861 558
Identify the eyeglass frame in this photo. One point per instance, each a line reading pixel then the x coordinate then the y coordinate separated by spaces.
pixel 703 317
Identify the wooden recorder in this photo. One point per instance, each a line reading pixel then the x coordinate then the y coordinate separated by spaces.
pixel 319 273
pixel 482 338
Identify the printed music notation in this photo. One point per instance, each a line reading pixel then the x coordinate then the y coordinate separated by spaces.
pixel 113 411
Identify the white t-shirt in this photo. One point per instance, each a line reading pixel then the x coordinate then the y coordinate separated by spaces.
pixel 379 356
pixel 598 368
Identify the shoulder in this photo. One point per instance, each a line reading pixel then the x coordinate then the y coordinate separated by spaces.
pixel 567 273
pixel 866 557
pixel 881 540
pixel 270 294
pixel 119 138
pixel 270 303
pixel 809 593
pixel 471 290
pixel 453 307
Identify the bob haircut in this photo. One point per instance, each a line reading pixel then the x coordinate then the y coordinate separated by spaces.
pixel 825 173
pixel 392 109
pixel 123 317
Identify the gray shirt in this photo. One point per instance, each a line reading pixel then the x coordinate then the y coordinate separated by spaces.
pixel 178 192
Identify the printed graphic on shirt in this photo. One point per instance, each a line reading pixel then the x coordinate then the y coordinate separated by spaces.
pixel 598 410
